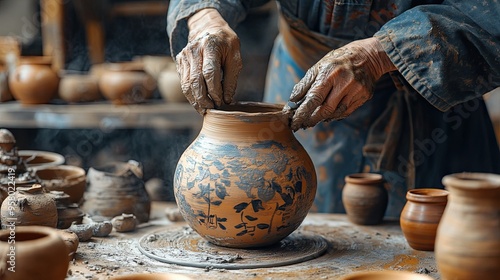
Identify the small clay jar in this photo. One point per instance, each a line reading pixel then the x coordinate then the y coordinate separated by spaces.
pixel 33 81
pixel 75 88
pixel 66 178
pixel 67 212
pixel 29 206
pixel 124 222
pixel 365 198
pixel 468 236
pixel 117 188
pixel 39 253
pixel 421 215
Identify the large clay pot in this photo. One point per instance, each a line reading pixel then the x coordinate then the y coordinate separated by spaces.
pixel 66 178
pixel 365 198
pixel 468 236
pixel 245 181
pixel 34 81
pixel 38 253
pixel 421 215
pixel 117 188
pixel 29 206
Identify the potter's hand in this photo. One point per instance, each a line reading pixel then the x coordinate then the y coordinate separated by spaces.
pixel 339 83
pixel 210 63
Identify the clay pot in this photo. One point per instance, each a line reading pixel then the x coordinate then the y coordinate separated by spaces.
pixel 245 181
pixel 29 206
pixel 169 84
pixel 152 276
pixel 468 236
pixel 122 85
pixel 67 212
pixel 365 198
pixel 33 81
pixel 385 275
pixel 421 215
pixel 117 188
pixel 39 253
pixel 75 88
pixel 66 178
pixel 41 159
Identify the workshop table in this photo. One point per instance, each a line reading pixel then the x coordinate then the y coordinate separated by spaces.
pixel 350 248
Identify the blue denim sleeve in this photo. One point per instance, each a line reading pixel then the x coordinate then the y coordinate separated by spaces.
pixel 449 53
pixel 233 11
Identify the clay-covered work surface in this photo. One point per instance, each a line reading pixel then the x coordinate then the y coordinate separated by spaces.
pixel 350 248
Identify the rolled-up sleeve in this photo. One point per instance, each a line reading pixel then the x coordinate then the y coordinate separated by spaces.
pixel 233 11
pixel 448 53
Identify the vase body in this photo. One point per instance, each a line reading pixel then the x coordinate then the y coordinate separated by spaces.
pixel 29 206
pixel 421 215
pixel 117 188
pixel 39 253
pixel 34 81
pixel 245 181
pixel 468 236
pixel 365 198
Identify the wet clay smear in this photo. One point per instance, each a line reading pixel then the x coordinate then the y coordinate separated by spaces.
pixel 183 246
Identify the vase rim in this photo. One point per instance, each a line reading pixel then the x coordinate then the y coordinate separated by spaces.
pixel 471 180
pixel 427 195
pixel 39 233
pixel 364 178
pixel 248 108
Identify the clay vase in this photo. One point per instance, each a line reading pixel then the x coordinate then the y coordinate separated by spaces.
pixel 67 212
pixel 29 206
pixel 421 215
pixel 245 181
pixel 66 178
pixel 117 188
pixel 468 236
pixel 33 81
pixel 124 85
pixel 365 198
pixel 39 253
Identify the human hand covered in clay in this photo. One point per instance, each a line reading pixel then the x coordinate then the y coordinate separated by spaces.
pixel 210 63
pixel 339 83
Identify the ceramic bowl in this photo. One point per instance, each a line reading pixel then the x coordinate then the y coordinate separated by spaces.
pixel 66 178
pixel 152 276
pixel 41 159
pixel 385 275
pixel 75 88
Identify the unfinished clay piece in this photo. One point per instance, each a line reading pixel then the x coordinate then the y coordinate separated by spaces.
pixel 124 223
pixel 83 231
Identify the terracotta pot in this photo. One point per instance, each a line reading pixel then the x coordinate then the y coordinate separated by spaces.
pixel 152 276
pixel 365 198
pixel 468 236
pixel 29 206
pixel 66 178
pixel 41 159
pixel 122 86
pixel 67 212
pixel 245 181
pixel 75 88
pixel 39 253
pixel 33 81
pixel 421 215
pixel 385 275
pixel 117 188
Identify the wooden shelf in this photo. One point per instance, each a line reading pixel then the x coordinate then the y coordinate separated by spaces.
pixel 103 115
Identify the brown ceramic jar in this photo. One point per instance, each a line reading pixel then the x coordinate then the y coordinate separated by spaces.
pixel 34 81
pixel 421 215
pixel 39 253
pixel 29 206
pixel 66 178
pixel 365 198
pixel 468 236
pixel 245 181
pixel 117 188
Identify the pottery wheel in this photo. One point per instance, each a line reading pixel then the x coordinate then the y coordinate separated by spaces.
pixel 183 246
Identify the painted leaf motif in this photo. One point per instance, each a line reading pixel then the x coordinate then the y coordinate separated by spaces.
pixel 262 226
pixel 250 218
pixel 220 191
pixel 190 185
pixel 204 189
pixel 276 187
pixel 242 232
pixel 202 221
pixel 239 225
pixel 221 219
pixel 222 226
pixel 298 186
pixel 216 202
pixel 287 198
pixel 240 207
pixel 257 205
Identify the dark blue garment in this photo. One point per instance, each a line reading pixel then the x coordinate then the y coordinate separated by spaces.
pixel 429 122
